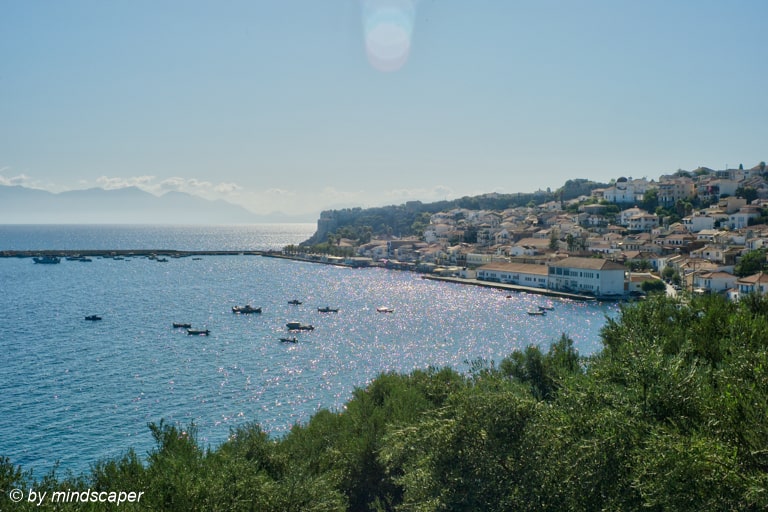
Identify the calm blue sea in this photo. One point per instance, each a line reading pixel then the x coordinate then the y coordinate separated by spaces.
pixel 76 391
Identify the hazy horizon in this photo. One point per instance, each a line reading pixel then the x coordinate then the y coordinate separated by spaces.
pixel 306 106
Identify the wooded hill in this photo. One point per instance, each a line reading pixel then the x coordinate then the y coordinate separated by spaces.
pixel 670 415
pixel 409 218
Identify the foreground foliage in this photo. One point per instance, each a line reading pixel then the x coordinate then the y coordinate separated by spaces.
pixel 671 415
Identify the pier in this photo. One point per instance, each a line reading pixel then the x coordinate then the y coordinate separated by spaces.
pixel 511 287
pixel 125 253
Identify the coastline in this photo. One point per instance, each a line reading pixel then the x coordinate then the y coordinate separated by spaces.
pixel 148 253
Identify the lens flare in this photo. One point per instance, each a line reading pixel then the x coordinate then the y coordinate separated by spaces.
pixel 388 27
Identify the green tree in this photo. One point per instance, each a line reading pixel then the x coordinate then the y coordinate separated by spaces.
pixel 544 373
pixel 653 286
pixel 650 200
pixel 748 193
pixel 570 242
pixel 750 263
pixel 467 455
pixel 554 240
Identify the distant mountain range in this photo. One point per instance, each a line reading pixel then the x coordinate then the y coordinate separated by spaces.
pixel 130 205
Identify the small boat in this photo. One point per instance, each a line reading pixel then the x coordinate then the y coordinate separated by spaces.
pixel 327 310
pixel 385 309
pixel 196 259
pixel 289 340
pixel 181 326
pixel 298 326
pixel 537 313
pixel 197 332
pixel 93 318
pixel 294 302
pixel 47 260
pixel 546 308
pixel 245 309
pixel 162 260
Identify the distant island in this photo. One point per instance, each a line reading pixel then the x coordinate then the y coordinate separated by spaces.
pixel 129 205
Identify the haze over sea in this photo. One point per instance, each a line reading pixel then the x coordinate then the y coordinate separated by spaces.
pixel 76 391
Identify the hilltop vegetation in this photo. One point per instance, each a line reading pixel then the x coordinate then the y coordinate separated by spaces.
pixel 669 416
pixel 410 218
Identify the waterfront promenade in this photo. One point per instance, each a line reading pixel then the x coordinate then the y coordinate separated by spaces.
pixel 511 287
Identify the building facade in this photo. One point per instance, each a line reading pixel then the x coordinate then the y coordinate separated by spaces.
pixel 521 274
pixel 594 276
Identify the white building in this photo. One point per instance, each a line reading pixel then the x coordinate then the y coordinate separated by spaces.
pixel 714 281
pixel 627 214
pixel 756 283
pixel 741 218
pixel 523 250
pixel 521 274
pixel 588 275
pixel 475 259
pixel 643 222
pixel 627 191
pixel 699 222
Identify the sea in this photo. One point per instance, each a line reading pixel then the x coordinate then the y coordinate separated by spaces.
pixel 75 392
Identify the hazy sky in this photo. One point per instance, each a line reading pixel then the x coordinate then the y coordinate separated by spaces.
pixel 304 105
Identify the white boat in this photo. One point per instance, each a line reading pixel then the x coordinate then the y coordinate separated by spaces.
pixel 385 309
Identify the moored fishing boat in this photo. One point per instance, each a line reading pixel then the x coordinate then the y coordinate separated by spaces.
pixel 47 260
pixel 298 326
pixel 247 309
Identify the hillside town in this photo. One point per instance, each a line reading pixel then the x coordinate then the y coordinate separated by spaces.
pixel 702 231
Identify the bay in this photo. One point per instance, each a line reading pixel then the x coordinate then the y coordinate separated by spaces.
pixel 245 237
pixel 77 391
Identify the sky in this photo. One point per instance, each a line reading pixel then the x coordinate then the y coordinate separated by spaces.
pixel 306 105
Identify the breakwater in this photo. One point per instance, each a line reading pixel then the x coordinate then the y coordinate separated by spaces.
pixel 110 253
